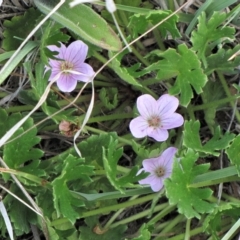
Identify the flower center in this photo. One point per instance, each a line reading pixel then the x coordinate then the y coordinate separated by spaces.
pixel 160 172
pixel 66 66
pixel 154 121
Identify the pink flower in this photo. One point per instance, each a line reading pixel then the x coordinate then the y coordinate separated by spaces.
pixel 71 65
pixel 159 169
pixel 156 117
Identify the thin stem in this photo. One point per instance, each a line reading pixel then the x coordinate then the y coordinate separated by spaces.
pixel 139 215
pixel 121 139
pixel 214 103
pixel 187 232
pixel 114 216
pixel 110 117
pixel 179 218
pixel 117 206
pixel 163 213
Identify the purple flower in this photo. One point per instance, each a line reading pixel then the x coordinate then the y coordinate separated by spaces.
pixel 71 65
pixel 159 169
pixel 156 117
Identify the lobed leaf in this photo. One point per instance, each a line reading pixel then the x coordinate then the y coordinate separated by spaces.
pixel 123 72
pixel 111 155
pixel 219 61
pixel 214 221
pixel 18 28
pixel 185 66
pixel 192 140
pixel 139 23
pixel 209 31
pixel 22 151
pixel 190 201
pixel 72 169
pixel 109 97
pixel 234 153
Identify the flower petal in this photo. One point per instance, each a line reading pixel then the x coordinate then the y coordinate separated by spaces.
pixel 167 157
pixel 172 121
pixel 158 134
pixel 61 51
pixel 157 185
pixel 167 104
pixel 150 165
pixel 148 180
pixel 66 83
pixel 147 106
pixel 76 53
pixel 138 127
pixel 86 72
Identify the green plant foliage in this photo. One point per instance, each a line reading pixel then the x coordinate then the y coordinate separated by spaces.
pixel 214 222
pixel 185 66
pixel 220 61
pixel 111 156
pixel 144 234
pixel 93 231
pixel 20 215
pixel 73 169
pixel 18 28
pixel 39 81
pixel 192 140
pixel 122 72
pixel 140 23
pixel 212 91
pixel 91 149
pixel 109 97
pixel 52 35
pixel 190 201
pixel 234 153
pixel 210 31
pixel 22 150
pixel 3 117
pixel 84 22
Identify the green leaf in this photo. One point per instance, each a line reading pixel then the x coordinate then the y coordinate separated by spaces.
pixel 91 149
pixel 144 234
pixel 111 155
pixel 6 71
pixel 3 117
pixel 234 153
pixel 212 91
pixel 20 215
pixel 190 201
pixel 139 23
pixel 214 222
pixel 64 202
pixel 52 35
pixel 93 231
pixel 14 34
pixel 22 150
pixel 38 83
pixel 209 31
pixel 192 140
pixel 184 65
pixel 220 61
pixel 122 72
pixel 83 21
pixel 109 97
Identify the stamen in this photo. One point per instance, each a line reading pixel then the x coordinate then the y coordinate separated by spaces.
pixel 160 172
pixel 66 66
pixel 154 121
